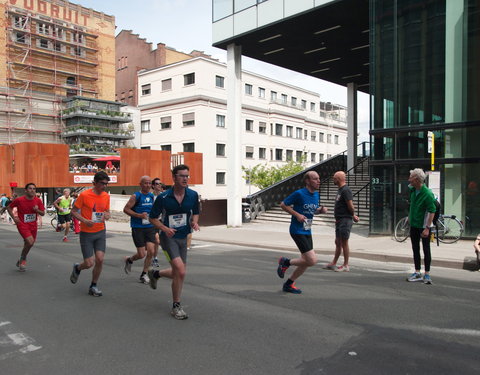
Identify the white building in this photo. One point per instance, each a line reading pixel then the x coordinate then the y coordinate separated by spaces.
pixel 184 108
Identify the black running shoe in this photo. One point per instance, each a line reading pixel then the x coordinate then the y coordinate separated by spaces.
pixel 282 268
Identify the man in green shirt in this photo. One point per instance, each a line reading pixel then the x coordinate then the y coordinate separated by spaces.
pixel 422 211
pixel 64 205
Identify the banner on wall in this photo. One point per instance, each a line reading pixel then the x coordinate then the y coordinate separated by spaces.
pixel 89 179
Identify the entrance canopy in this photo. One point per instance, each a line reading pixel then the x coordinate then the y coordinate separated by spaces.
pixel 108 158
pixel 330 42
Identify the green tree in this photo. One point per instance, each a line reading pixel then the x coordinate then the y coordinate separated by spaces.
pixel 263 176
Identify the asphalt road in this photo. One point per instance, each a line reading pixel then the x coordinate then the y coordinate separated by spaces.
pixel 368 321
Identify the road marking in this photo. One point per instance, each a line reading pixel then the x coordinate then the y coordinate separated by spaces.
pixel 449 331
pixel 14 342
pixel 199 246
pixel 383 271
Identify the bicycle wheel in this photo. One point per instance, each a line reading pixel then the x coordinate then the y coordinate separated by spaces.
pixel 54 222
pixel 402 230
pixel 449 229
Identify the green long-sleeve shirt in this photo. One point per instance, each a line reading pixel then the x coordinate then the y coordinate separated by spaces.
pixel 420 204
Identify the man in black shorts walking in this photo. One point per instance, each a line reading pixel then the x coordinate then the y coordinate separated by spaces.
pixel 344 217
pixel 180 208
pixel 138 208
pixel 302 205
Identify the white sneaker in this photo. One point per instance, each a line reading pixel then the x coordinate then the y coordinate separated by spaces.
pixel 178 313
pixel 145 279
pixel 342 269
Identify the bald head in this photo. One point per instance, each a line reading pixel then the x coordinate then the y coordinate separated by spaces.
pixel 145 184
pixel 339 178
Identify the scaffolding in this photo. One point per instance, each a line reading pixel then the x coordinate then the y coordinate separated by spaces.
pixel 47 60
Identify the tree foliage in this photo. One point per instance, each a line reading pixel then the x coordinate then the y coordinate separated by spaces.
pixel 264 176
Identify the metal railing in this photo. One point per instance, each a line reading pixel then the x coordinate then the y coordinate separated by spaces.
pixel 266 198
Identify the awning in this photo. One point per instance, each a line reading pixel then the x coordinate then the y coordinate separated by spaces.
pixel 107 158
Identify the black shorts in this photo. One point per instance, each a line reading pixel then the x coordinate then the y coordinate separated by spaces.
pixel 304 242
pixel 343 226
pixel 62 219
pixel 143 235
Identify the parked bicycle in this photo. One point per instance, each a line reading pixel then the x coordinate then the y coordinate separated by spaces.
pixel 448 229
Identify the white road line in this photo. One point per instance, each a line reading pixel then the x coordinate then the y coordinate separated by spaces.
pixel 449 331
pixel 15 343
pixel 4 323
pixel 199 246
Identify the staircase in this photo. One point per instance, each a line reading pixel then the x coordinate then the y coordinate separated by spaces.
pixel 265 205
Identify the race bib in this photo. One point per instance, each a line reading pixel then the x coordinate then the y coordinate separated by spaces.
pixel 307 224
pixel 177 220
pixel 97 217
pixel 29 218
pixel 145 222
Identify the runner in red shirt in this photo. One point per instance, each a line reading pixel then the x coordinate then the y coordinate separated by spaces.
pixel 28 207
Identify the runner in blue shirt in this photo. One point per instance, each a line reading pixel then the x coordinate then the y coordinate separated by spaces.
pixel 138 208
pixel 180 211
pixel 302 205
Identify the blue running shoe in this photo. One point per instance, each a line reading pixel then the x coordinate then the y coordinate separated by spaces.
pixel 427 279
pixel 291 288
pixel 281 267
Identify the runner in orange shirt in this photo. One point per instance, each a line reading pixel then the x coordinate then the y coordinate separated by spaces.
pixel 28 207
pixel 92 208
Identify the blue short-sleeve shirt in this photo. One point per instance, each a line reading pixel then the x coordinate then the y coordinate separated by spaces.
pixel 305 203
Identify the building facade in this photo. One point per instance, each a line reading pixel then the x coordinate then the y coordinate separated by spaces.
pixel 184 109
pixel 132 54
pixel 52 49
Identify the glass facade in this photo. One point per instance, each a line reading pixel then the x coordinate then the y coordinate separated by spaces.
pixel 424 77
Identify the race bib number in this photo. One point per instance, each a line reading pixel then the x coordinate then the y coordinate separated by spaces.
pixel 307 224
pixel 177 220
pixel 29 218
pixel 145 222
pixel 97 217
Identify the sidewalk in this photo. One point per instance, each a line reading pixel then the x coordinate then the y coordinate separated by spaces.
pixel 379 248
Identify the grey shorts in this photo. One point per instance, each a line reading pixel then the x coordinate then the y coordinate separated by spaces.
pixel 92 242
pixel 174 247
pixel 343 226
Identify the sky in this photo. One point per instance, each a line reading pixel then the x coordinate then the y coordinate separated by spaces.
pixel 186 25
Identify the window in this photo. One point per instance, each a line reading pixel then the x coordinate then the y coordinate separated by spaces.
pixel 273 96
pixel 166 122
pixel 166 148
pixel 43 43
pixel 313 157
pixel 294 101
pixel 329 156
pixel 189 147
pixel 261 92
pixel 20 21
pixel 220 178
pixel 298 133
pixel 313 136
pixel 262 153
pixel 220 149
pixel 146 89
pixel 145 126
pixel 220 121
pixel 189 79
pixel 262 127
pixel 305 134
pixel 78 38
pixel 284 99
pixel 336 139
pixel 304 104
pixel 249 125
pixel 289 155
pixel 321 157
pixel 145 148
pixel 278 154
pixel 249 152
pixel 329 138
pixel 312 106
pixel 20 37
pixel 189 119
pixel 248 89
pixel 220 81
pixel 289 131
pixel 77 51
pixel 321 137
pixel 299 155
pixel 279 129
pixel 58 46
pixel 58 33
pixel 43 28
pixel 166 84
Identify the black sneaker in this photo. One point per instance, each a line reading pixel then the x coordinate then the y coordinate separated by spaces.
pixel 94 291
pixel 282 267
pixel 75 273
pixel 291 288
pixel 153 279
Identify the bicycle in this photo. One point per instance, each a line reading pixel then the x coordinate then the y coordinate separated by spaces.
pixel 448 229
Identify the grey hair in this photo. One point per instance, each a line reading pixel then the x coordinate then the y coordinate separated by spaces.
pixel 418 173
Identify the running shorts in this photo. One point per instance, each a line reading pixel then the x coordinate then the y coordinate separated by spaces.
pixel 143 235
pixel 174 247
pixel 304 242
pixel 62 219
pixel 27 229
pixel 92 242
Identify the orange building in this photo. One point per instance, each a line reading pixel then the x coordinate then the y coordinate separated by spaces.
pixel 49 50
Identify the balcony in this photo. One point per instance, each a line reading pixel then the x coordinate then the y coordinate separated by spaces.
pixel 95 131
pixel 95 113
